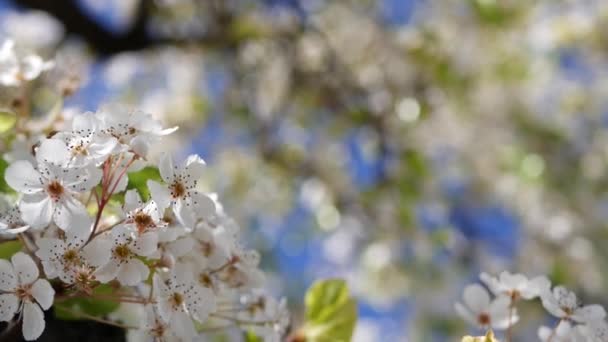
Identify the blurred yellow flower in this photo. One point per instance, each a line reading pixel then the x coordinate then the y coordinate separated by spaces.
pixel 488 338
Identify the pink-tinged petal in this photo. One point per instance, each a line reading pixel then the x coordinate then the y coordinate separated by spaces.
pixel 97 252
pixel 9 304
pixel 133 272
pixel 160 194
pixel 166 168
pixel 25 267
pixel 37 210
pixel 70 213
pixel 8 278
pixel 476 298
pixel 22 177
pixel 107 272
pixel 53 151
pixel 43 293
pixel 33 321
pixel 146 244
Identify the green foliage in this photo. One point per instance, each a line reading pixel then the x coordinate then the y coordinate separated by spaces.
pixel 138 180
pixel 331 313
pixel 4 188
pixel 251 337
pixel 8 248
pixel 8 119
pixel 70 309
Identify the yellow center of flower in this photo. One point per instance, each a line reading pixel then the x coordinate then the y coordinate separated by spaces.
pixel 70 256
pixel 176 299
pixel 122 251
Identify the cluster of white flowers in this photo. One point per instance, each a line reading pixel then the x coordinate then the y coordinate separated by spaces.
pixel 576 322
pixel 176 254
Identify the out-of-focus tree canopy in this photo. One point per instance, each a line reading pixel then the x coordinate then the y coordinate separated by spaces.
pixel 404 145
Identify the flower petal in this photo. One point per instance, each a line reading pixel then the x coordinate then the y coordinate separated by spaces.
pixel 22 177
pixel 132 200
pixel 53 151
pixel 8 278
pixel 184 213
pixel 194 166
pixel 97 252
pixel 133 272
pixel 43 293
pixel 25 267
pixel 589 313
pixel 204 206
pixel 70 213
pixel 107 272
pixel 37 210
pixel 146 244
pixel 166 168
pixel 182 326
pixel 33 321
pixel 476 298
pixel 160 194
pixel 9 304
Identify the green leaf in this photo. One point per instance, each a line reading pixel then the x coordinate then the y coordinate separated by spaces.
pixel 8 119
pixel 69 309
pixel 252 337
pixel 4 188
pixel 138 180
pixel 8 248
pixel 331 313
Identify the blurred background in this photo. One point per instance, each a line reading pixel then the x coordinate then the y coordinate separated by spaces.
pixel 404 145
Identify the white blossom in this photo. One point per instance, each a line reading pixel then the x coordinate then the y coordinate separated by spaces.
pixel 142 217
pixel 124 264
pixel 50 190
pixel 85 142
pixel 515 286
pixel 134 130
pixel 67 257
pixel 16 69
pixel 11 222
pixel 180 299
pixel 563 303
pixel 23 292
pixel 179 191
pixel 479 310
